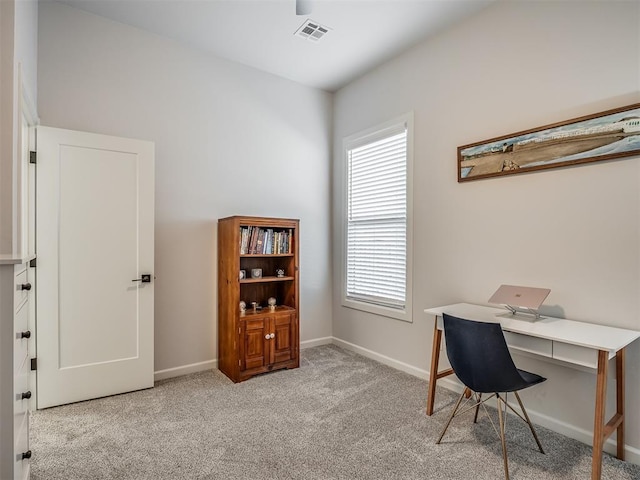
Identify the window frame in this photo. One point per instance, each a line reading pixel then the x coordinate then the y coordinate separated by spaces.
pixel 353 141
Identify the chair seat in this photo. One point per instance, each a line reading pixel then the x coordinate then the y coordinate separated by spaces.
pixel 531 378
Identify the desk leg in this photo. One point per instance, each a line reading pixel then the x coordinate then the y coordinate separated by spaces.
pixel 601 431
pixel 433 372
pixel 620 402
pixel 598 426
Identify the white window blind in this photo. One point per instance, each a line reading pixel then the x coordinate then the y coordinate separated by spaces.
pixel 376 259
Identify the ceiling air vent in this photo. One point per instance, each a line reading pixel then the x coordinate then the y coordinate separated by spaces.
pixel 311 30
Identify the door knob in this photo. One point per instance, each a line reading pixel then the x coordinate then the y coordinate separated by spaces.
pixel 25 286
pixel 26 455
pixel 24 395
pixel 144 278
pixel 25 334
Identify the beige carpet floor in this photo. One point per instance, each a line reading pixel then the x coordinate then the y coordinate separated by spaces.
pixel 339 416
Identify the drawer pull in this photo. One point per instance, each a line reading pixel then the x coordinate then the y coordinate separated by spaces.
pixel 26 455
pixel 25 286
pixel 26 334
pixel 26 395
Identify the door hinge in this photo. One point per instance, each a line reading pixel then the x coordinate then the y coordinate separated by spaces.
pixel 34 363
pixel 33 263
pixel 32 157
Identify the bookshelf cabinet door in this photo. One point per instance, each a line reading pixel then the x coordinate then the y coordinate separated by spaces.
pixel 283 342
pixel 256 346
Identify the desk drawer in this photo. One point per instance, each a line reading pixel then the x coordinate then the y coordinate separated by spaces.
pixel 525 343
pixel 587 357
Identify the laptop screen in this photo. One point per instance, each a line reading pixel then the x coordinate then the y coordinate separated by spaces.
pixel 520 297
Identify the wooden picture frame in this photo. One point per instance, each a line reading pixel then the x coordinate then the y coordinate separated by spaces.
pixel 602 136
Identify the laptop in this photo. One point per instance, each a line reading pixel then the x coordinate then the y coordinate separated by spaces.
pixel 513 297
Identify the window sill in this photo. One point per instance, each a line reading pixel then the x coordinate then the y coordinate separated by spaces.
pixel 404 315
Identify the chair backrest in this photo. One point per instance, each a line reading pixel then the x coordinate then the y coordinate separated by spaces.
pixel 479 356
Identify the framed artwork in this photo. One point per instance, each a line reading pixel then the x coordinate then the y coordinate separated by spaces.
pixel 592 138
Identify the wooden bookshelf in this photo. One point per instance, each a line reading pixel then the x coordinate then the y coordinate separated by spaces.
pixel 262 339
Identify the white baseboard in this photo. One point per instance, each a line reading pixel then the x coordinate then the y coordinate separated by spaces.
pixel 632 455
pixel 184 370
pixel 405 367
pixel 316 342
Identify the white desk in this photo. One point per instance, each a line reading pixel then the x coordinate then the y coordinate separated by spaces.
pixel 578 343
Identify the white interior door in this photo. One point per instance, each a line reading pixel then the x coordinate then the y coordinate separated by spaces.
pixel 94 234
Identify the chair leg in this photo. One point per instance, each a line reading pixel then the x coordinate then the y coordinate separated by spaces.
pixel 479 399
pixel 502 439
pixel 455 409
pixel 535 436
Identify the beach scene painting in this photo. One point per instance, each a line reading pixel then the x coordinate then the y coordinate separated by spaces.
pixel 592 138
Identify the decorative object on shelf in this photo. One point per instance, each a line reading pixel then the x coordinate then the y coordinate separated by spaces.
pixel 243 274
pixel 254 305
pixel 243 306
pixel 592 138
pixel 280 272
pixel 272 303
pixel 256 273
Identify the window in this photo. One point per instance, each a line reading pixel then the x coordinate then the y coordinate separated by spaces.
pixel 377 273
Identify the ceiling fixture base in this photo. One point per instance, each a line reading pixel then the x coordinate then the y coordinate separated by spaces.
pixel 303 7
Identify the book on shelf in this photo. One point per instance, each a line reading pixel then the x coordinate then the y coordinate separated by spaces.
pixel 261 241
pixel 255 233
pixel 244 239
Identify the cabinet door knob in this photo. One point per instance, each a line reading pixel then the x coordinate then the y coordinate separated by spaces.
pixel 26 334
pixel 26 455
pixel 26 395
pixel 272 335
pixel 25 286
pixel 267 336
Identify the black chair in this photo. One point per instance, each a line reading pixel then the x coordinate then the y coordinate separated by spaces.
pixel 480 358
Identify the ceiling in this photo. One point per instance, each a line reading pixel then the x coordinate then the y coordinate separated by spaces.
pixel 260 33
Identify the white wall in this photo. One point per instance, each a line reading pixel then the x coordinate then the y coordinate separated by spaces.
pixel 18 65
pixel 515 66
pixel 229 140
pixel 7 16
pixel 26 45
